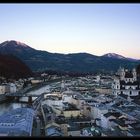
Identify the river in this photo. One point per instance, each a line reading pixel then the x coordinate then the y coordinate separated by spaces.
pixel 8 106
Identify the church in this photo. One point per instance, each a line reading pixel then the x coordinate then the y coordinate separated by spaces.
pixel 126 84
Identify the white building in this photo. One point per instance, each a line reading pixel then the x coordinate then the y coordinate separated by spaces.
pixel 4 88
pixel 107 119
pixel 8 88
pixel 36 81
pixel 126 83
pixel 13 88
pixel 98 78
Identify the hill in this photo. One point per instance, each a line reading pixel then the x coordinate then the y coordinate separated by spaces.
pixel 12 67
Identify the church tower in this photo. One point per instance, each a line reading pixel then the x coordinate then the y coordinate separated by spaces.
pixel 122 74
pixel 134 74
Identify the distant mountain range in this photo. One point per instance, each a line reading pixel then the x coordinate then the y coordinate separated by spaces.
pixel 13 67
pixel 39 60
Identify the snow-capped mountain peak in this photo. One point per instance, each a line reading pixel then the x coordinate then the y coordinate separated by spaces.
pixel 114 55
pixel 20 43
pixel 14 45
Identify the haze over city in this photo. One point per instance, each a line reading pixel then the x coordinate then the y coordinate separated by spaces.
pixel 71 28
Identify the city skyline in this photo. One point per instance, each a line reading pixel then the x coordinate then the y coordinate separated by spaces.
pixel 73 28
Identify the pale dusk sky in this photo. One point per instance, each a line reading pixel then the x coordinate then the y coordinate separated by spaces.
pixel 71 28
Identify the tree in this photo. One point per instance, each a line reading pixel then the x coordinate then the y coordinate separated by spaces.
pixel 138 70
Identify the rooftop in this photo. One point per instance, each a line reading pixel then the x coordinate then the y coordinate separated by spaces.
pixel 115 114
pixel 53 131
pixel 47 109
pixel 19 120
pixel 69 107
pixel 128 75
pixel 129 83
pixel 91 131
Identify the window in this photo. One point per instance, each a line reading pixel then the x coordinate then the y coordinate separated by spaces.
pixel 130 92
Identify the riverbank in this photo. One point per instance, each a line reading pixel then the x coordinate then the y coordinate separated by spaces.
pixel 3 98
pixel 40 85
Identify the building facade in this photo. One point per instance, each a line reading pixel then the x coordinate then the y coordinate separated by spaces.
pixel 126 83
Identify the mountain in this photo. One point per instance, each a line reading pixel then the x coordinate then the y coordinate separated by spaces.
pixel 14 46
pixel 12 67
pixel 77 62
pixel 114 55
pixel 132 59
pixel 117 56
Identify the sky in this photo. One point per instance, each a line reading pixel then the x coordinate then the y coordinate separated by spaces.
pixel 72 28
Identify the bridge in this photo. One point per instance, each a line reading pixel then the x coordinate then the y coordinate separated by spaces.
pixel 22 93
pixel 19 94
pixel 35 104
